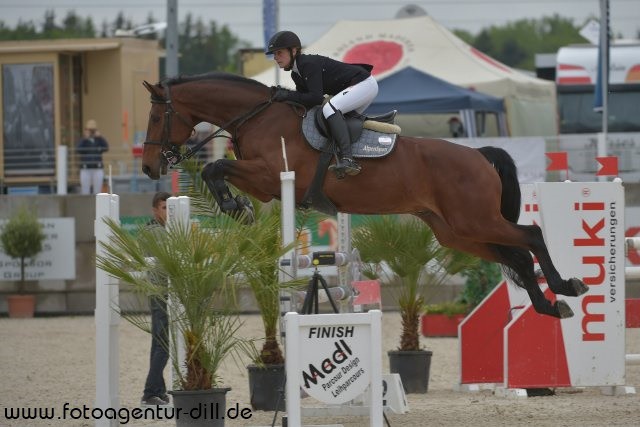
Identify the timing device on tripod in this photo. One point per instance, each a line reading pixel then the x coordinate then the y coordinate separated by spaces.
pixel 311 300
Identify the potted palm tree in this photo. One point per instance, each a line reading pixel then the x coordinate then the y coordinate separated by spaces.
pixel 22 238
pixel 259 251
pixel 201 264
pixel 404 252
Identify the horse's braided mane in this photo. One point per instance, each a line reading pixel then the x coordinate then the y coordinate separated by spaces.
pixel 216 75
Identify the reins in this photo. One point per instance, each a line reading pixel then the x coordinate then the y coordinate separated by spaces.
pixel 170 150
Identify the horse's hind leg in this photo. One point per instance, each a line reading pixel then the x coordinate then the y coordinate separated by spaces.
pixel 518 262
pixel 447 238
pixel 572 287
pixel 520 269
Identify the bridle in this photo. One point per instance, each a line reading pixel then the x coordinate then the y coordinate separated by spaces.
pixel 171 152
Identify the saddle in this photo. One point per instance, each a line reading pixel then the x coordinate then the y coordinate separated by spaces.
pixel 369 137
pixel 355 122
pixel 365 143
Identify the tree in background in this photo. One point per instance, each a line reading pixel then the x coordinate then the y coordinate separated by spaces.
pixel 204 47
pixel 516 43
pixel 207 47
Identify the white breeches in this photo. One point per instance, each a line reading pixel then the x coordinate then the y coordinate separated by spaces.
pixel 355 98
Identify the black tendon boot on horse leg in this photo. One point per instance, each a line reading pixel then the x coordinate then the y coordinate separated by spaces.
pixel 340 134
pixel 213 175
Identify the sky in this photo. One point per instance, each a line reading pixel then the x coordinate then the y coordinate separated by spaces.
pixel 312 18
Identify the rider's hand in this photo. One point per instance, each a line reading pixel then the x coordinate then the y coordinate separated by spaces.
pixel 281 94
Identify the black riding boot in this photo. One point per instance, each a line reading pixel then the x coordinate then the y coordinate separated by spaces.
pixel 340 134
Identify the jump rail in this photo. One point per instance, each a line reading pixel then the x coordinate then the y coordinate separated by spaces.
pixel 632 273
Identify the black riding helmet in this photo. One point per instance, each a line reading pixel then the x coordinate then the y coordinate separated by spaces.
pixel 283 40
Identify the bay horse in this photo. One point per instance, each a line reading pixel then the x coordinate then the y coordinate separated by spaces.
pixel 469 197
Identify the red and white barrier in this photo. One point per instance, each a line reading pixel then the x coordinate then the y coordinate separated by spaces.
pixel 505 343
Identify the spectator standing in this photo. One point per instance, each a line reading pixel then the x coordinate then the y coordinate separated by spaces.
pixel 155 390
pixel 90 149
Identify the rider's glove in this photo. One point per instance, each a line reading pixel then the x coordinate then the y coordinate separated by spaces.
pixel 281 94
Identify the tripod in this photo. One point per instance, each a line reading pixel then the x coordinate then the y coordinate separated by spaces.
pixel 311 301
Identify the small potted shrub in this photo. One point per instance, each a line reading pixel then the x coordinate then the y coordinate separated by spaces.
pixel 442 320
pixel 480 280
pixel 22 238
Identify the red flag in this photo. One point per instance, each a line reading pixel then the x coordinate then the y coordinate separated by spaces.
pixel 559 161
pixel 609 166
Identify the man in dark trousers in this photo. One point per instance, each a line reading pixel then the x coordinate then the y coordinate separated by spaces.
pixel 155 390
pixel 90 149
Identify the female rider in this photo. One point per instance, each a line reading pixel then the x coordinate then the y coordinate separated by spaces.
pixel 352 86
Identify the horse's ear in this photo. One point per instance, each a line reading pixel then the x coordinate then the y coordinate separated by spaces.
pixel 152 89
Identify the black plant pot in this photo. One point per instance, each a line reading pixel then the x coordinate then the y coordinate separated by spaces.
pixel 413 367
pixel 266 387
pixel 200 408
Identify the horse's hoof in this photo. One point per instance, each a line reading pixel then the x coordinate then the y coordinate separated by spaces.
pixel 244 202
pixel 245 208
pixel 578 287
pixel 564 311
pixel 228 205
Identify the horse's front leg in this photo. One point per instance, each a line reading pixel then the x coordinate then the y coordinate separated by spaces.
pixel 238 207
pixel 214 175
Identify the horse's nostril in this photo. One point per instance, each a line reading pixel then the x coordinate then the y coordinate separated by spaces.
pixel 146 170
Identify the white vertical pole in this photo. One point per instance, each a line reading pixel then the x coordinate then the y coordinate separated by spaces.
pixel 171 39
pixel 292 366
pixel 178 210
pixel 62 170
pixel 288 218
pixel 106 319
pixel 289 261
pixel 344 246
pixel 178 214
pixel 601 147
pixel 375 410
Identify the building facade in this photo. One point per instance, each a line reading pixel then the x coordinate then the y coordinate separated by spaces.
pixel 50 88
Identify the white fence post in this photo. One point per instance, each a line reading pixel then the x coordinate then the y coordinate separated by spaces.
pixel 107 320
pixel 178 213
pixel 62 170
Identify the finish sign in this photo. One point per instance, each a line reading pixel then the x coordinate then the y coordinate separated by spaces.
pixel 333 357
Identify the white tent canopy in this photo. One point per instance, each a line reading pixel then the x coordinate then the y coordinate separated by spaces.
pixel 422 43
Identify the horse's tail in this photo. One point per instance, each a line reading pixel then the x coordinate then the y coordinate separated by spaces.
pixel 517 263
pixel 506 168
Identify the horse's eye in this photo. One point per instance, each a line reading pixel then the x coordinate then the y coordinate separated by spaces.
pixel 155 119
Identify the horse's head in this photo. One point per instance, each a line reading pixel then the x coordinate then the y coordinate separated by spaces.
pixel 167 130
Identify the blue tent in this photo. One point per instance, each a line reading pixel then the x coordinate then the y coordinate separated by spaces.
pixel 411 91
